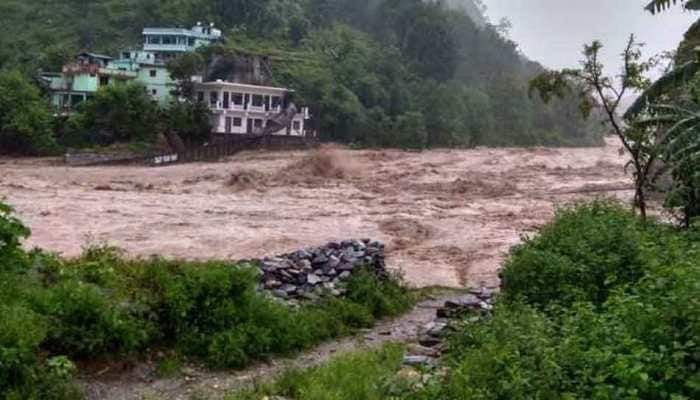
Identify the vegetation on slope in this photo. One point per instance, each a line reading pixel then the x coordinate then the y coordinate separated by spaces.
pixel 375 72
pixel 103 307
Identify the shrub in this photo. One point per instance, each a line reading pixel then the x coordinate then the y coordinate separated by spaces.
pixel 585 253
pixel 12 231
pixel 25 117
pixel 23 374
pixel 362 375
pixel 87 323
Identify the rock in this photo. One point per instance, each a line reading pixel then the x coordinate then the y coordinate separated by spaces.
pixel 419 350
pixel 346 267
pixel 412 360
pixel 304 264
pixel 437 330
pixel 429 341
pixel 273 284
pixel 306 274
pixel 303 255
pixel 333 261
pixel 313 279
pixel 320 260
pixel 358 245
pixel 289 289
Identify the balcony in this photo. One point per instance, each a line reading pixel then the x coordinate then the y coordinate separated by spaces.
pixel 118 73
pixel 179 48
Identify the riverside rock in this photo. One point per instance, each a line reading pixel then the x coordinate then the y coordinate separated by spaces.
pixel 309 273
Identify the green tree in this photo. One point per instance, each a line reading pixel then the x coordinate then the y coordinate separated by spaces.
pixel 25 117
pixel 606 93
pixel 118 113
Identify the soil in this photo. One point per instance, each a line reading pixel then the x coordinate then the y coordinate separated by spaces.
pixel 449 217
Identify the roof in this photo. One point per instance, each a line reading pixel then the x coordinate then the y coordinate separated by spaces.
pixel 245 86
pixel 177 31
pixel 95 55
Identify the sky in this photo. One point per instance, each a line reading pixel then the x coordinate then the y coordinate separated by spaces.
pixel 553 31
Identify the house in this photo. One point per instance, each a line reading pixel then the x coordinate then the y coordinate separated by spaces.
pixel 80 80
pixel 160 45
pixel 238 108
pixel 148 66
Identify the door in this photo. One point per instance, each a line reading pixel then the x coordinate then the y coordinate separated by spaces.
pixel 226 100
pixel 250 125
pixel 228 124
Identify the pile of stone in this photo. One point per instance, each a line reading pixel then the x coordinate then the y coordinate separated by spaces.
pixel 308 274
pixel 431 343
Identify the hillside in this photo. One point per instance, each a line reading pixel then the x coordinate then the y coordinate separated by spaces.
pixel 369 76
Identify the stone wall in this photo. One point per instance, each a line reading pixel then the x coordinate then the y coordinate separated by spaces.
pixel 308 274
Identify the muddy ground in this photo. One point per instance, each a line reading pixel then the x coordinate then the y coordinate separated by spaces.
pixel 448 216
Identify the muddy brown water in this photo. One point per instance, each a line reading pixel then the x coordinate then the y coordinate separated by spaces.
pixel 449 217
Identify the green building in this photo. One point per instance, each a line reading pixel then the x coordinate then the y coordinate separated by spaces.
pixel 80 80
pixel 148 66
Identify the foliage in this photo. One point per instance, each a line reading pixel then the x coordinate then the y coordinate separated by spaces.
pixel 374 72
pixel 632 335
pixel 104 306
pixel 661 5
pixel 118 113
pixel 189 120
pixel 587 252
pixel 25 120
pixel 598 91
pixel 349 376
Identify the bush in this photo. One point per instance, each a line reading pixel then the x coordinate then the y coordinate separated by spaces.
pixel 23 374
pixel 117 114
pixel 12 231
pixel 101 306
pixel 368 375
pixel 585 253
pixel 88 323
pixel 635 337
pixel 25 117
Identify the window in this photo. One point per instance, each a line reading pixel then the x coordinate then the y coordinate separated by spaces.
pixel 76 99
pixel 276 101
pixel 169 40
pixel 257 100
pixel 296 125
pixel 214 98
pixel 191 42
pixel 237 122
pixel 104 80
pixel 153 39
pixel 237 99
pixel 258 123
pixel 154 92
pixel 153 73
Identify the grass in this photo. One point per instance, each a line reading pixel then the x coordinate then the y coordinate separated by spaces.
pixel 353 376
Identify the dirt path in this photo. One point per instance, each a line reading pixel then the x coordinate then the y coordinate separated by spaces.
pixel 449 216
pixel 140 383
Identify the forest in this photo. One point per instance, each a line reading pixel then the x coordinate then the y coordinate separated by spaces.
pixel 389 73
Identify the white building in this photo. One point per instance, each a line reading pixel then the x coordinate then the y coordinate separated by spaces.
pixel 238 108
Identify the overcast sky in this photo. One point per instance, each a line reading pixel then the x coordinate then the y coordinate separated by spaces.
pixel 553 31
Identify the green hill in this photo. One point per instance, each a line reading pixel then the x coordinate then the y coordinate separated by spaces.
pixel 379 72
